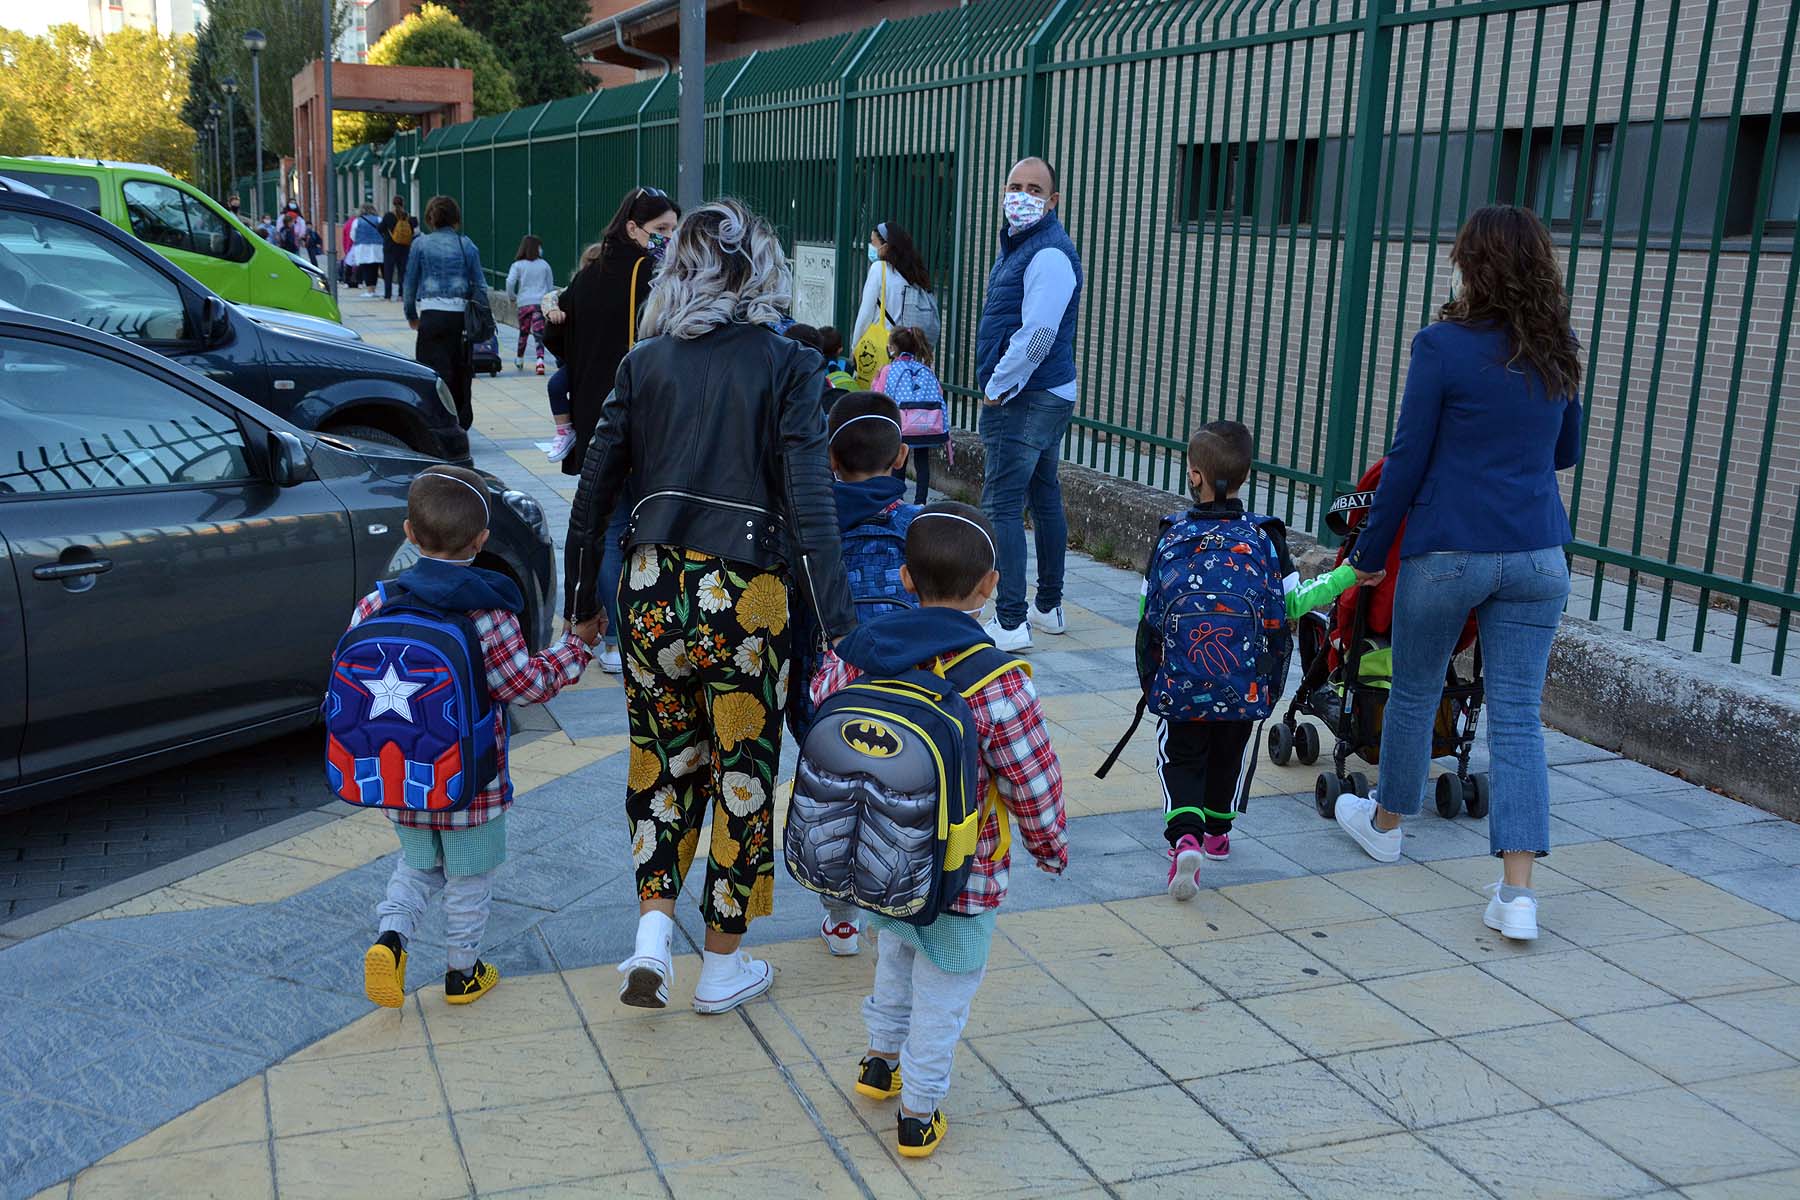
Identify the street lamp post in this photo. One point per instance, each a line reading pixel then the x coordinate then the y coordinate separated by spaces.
pixel 229 85
pixel 254 42
pixel 322 171
pixel 212 123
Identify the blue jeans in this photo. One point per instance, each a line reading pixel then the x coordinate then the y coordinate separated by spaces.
pixel 1518 600
pixel 612 565
pixel 1023 440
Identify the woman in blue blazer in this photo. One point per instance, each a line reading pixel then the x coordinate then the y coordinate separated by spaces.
pixel 1491 414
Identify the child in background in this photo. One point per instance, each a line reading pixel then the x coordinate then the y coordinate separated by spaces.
pixel 837 367
pixel 564 438
pixel 863 435
pixel 806 335
pixel 526 282
pixel 458 851
pixel 926 976
pixel 1198 656
pixel 924 416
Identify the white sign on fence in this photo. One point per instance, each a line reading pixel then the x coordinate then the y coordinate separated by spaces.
pixel 815 284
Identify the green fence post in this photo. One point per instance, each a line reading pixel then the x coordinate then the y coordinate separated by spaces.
pixel 1353 287
pixel 725 138
pixel 637 168
pixel 530 214
pixel 1036 104
pixel 846 174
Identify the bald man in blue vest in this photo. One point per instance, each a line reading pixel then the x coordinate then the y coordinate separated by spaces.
pixel 1025 366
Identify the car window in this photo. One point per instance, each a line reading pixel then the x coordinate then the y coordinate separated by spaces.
pixel 61 269
pixel 83 191
pixel 164 215
pixel 72 420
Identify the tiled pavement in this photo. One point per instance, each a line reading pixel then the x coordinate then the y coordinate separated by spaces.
pixel 1310 1025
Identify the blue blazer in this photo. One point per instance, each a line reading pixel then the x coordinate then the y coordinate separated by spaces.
pixel 1475 454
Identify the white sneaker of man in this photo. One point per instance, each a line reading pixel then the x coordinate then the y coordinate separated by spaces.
pixel 1515 918
pixel 1051 622
pixel 1356 816
pixel 1010 640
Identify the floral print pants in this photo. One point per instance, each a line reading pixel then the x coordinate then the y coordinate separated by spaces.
pixel 706 645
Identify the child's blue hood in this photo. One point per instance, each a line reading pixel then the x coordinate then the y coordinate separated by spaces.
pixel 898 641
pixel 858 502
pixel 455 588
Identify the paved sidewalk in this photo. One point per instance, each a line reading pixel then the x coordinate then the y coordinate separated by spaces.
pixel 1312 1024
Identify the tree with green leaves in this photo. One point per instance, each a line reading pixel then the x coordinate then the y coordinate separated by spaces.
pixel 296 33
pixel 528 35
pixel 431 37
pixel 119 97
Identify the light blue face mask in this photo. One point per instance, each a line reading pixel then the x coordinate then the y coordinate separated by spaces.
pixel 873 257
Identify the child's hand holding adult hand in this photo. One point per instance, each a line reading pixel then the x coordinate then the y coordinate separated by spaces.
pixel 1369 578
pixel 554 316
pixel 589 631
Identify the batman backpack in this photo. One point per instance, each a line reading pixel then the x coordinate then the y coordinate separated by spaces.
pixel 885 814
pixel 409 723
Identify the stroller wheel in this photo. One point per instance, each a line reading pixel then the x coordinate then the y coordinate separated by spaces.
pixel 1475 799
pixel 1281 744
pixel 1358 783
pixel 1325 794
pixel 1449 795
pixel 1306 744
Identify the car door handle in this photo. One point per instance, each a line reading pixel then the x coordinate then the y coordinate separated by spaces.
pixel 72 570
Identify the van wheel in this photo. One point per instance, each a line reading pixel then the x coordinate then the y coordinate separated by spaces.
pixel 369 433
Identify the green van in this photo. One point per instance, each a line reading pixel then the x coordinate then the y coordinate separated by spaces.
pixel 185 226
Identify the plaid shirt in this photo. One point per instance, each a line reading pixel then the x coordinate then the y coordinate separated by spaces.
pixel 514 676
pixel 1016 754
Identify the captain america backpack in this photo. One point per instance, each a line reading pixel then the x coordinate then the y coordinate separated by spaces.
pixel 1215 642
pixel 409 723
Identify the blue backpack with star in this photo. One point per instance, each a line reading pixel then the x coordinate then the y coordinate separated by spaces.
pixel 409 723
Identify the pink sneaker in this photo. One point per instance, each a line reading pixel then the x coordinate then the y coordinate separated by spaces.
pixel 1184 868
pixel 560 445
pixel 1216 846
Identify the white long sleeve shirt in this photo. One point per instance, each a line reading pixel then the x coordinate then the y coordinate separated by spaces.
pixel 903 300
pixel 1049 287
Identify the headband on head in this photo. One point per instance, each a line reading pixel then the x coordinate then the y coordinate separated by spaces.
pixel 881 231
pixel 486 513
pixel 993 555
pixel 865 417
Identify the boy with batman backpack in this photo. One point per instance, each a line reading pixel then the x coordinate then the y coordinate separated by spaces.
pixel 1213 645
pixel 415 719
pixel 928 744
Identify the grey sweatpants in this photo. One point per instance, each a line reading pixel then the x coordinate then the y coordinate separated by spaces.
pixel 467 899
pixel 921 1009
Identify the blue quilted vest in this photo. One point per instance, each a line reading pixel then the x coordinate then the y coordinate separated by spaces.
pixel 1000 313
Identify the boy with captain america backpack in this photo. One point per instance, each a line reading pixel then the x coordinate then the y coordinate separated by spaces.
pixel 1213 645
pixel 415 717
pixel 929 746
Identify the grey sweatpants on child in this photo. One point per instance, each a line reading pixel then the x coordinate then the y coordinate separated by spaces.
pixel 838 913
pixel 922 1009
pixel 467 899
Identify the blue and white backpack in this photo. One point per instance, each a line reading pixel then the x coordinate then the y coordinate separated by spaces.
pixel 1214 642
pixel 409 723
pixel 874 552
pixel 924 415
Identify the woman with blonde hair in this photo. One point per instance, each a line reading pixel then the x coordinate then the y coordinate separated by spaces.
pixel 716 420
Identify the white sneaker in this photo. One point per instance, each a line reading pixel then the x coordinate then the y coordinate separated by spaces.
pixel 610 660
pixel 842 939
pixel 1356 815
pixel 1009 640
pixel 728 980
pixel 1051 622
pixel 560 445
pixel 650 970
pixel 1515 919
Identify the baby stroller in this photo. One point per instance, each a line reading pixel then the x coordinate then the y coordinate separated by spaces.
pixel 1348 665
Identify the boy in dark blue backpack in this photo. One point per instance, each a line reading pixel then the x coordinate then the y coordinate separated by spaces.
pixel 455 850
pixel 1213 647
pixel 863 435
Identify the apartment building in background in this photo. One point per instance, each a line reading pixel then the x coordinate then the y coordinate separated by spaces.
pixel 171 18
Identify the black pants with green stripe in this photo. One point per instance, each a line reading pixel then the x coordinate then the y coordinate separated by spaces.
pixel 1206 767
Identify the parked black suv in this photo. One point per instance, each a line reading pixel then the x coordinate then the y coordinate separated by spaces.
pixel 176 563
pixel 65 262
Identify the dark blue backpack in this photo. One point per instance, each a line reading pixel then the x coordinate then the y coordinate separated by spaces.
pixel 409 723
pixel 874 552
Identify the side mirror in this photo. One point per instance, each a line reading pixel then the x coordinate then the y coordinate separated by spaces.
pixel 288 464
pixel 215 320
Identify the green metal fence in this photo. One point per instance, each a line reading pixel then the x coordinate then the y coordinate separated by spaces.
pixel 1264 193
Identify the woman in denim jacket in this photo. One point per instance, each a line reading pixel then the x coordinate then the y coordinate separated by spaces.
pixel 442 272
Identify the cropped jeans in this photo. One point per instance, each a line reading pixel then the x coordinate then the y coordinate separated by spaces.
pixel 1023 441
pixel 1518 600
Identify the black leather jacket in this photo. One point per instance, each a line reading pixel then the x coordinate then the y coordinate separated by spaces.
pixel 725 440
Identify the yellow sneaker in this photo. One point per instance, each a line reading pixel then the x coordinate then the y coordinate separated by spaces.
pixel 918 1138
pixel 460 988
pixel 384 971
pixel 878 1079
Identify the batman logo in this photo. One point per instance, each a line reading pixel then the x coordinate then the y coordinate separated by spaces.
pixel 871 738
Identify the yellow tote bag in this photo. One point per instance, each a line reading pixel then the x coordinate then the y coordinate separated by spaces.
pixel 872 349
